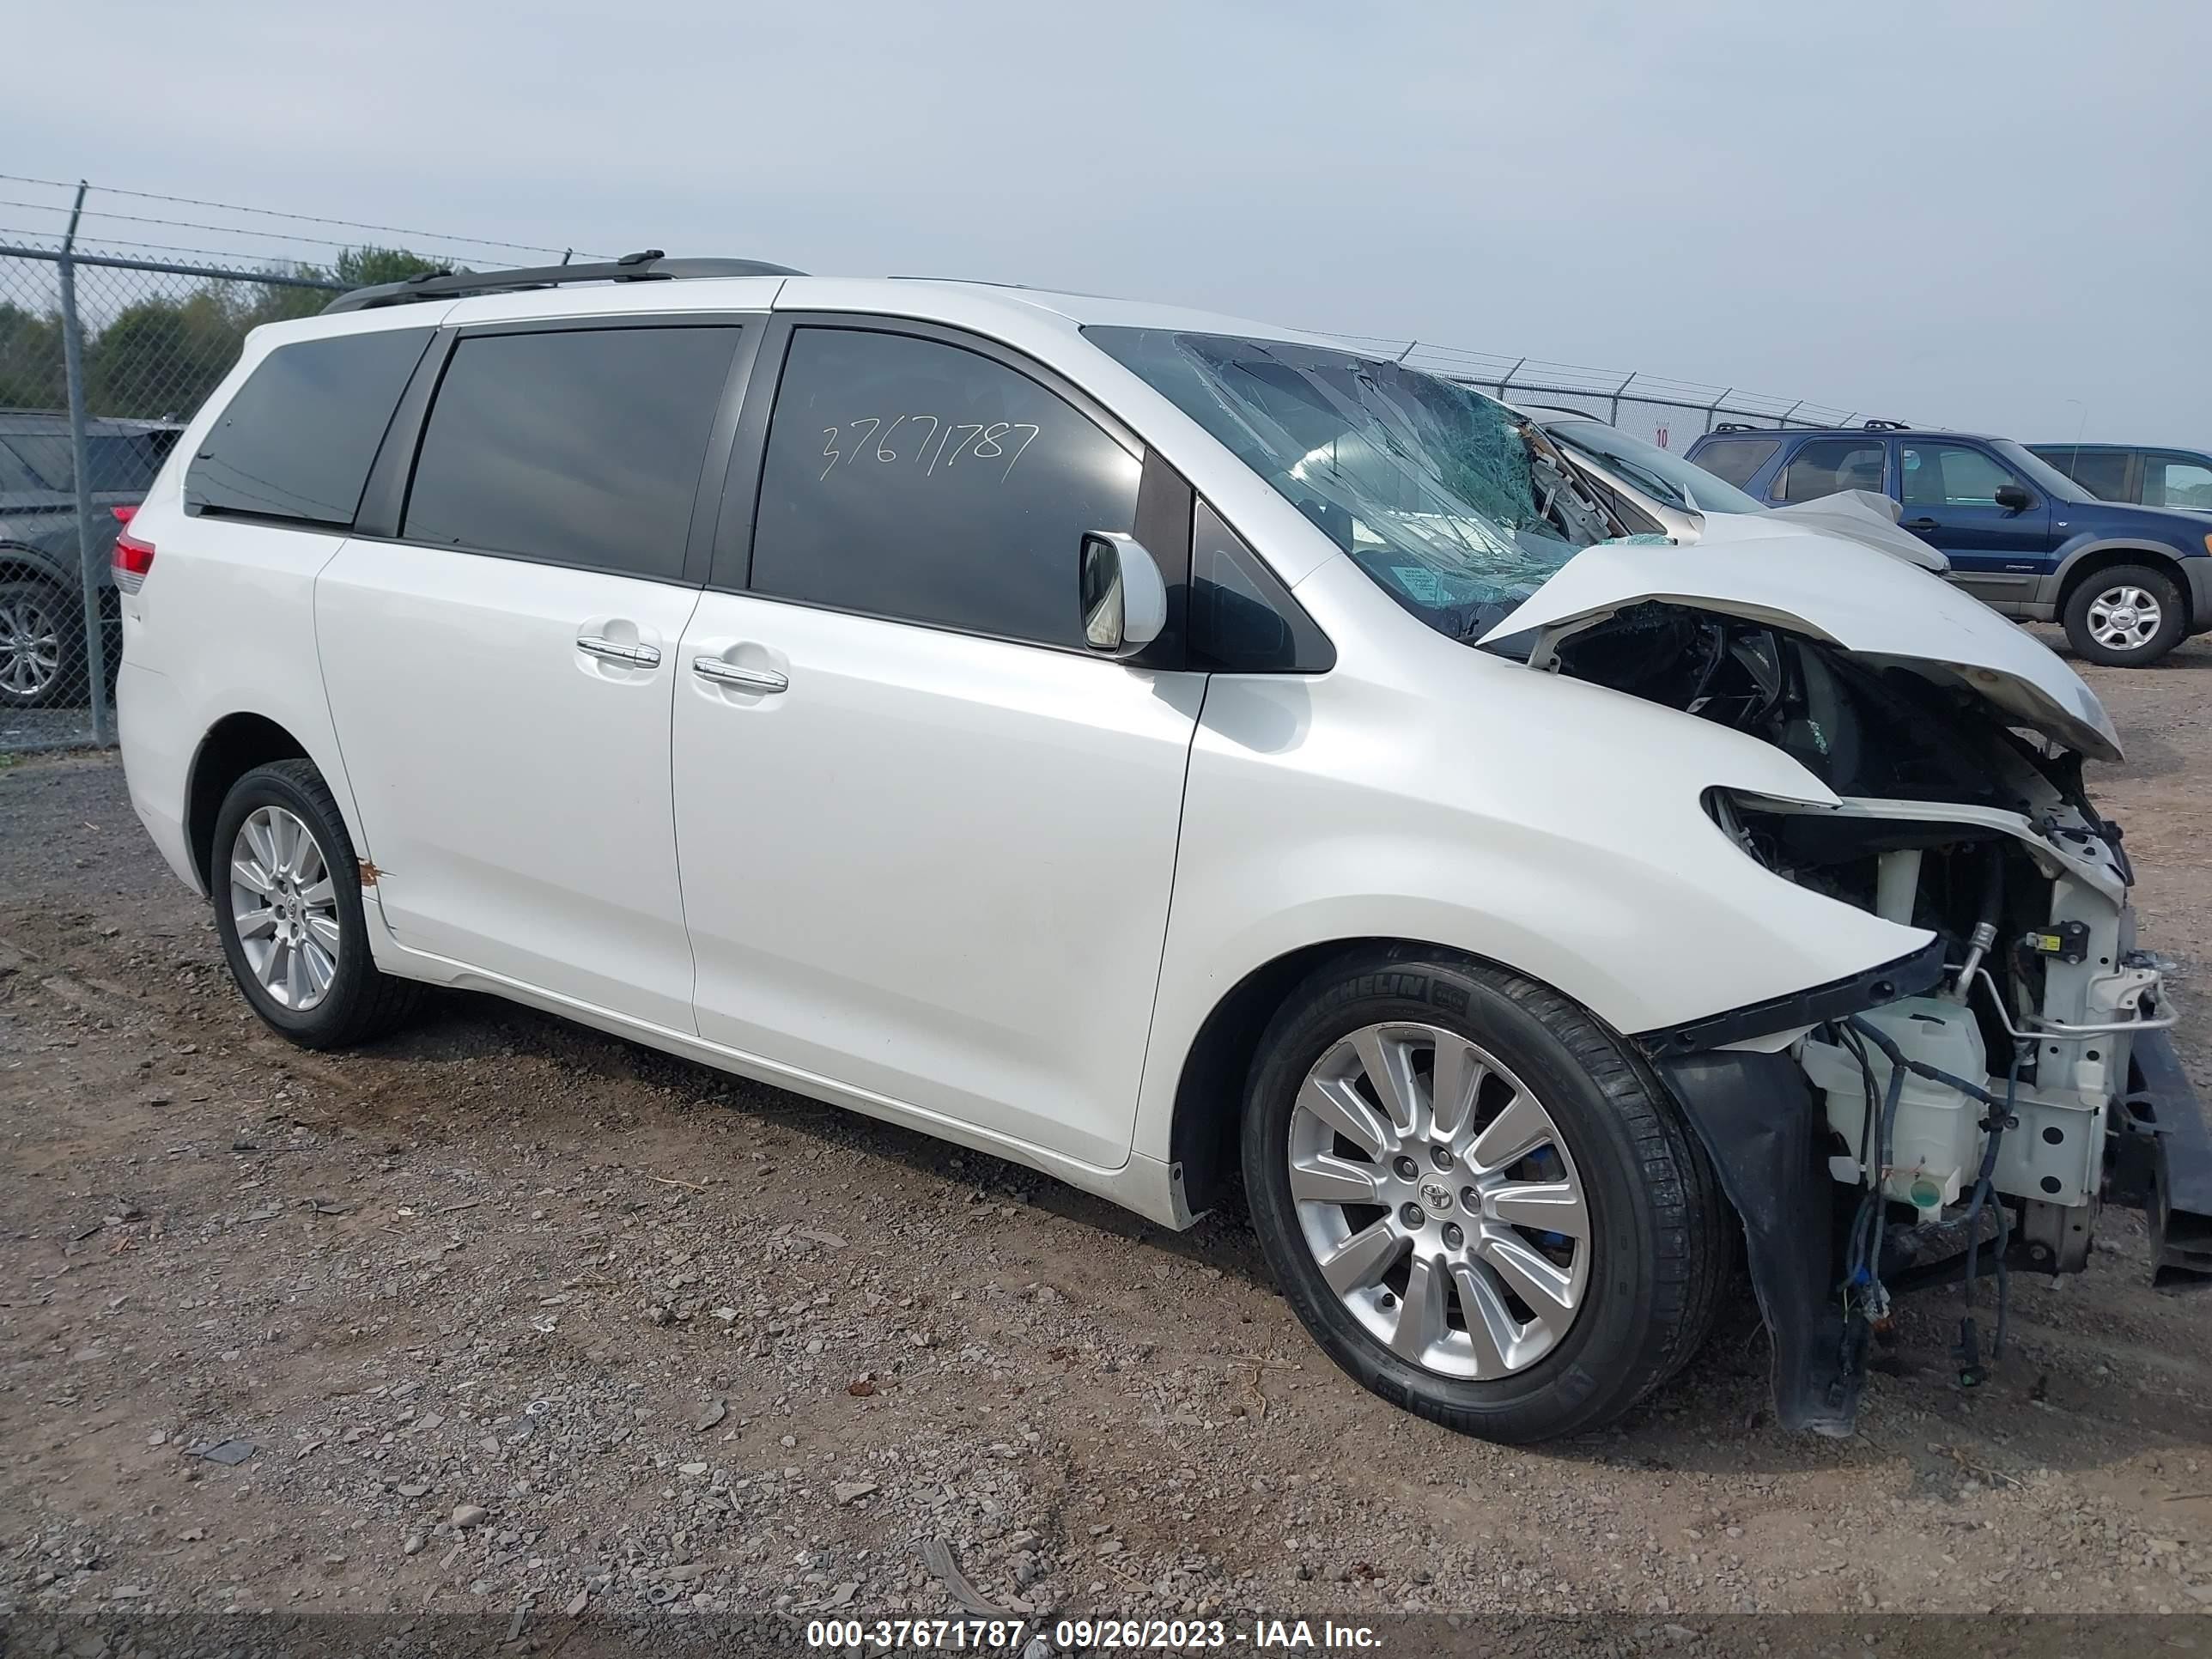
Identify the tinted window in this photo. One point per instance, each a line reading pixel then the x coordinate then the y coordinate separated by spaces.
pixel 297 440
pixel 2177 481
pixel 1243 621
pixel 579 448
pixel 16 478
pixel 1824 465
pixel 125 463
pixel 909 478
pixel 1736 458
pixel 1952 475
pixel 2102 472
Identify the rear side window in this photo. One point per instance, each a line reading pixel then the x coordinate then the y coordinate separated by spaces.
pixel 120 462
pixel 16 478
pixel 2182 481
pixel 297 440
pixel 1736 458
pixel 577 447
pixel 1824 465
pixel 909 478
pixel 2102 472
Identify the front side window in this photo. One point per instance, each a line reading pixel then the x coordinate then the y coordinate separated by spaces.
pixel 2177 481
pixel 297 439
pixel 1734 460
pixel 1242 620
pixel 1442 496
pixel 580 447
pixel 1822 466
pixel 1952 475
pixel 910 478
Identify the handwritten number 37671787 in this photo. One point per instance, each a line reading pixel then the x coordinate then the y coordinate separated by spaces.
pixel 940 443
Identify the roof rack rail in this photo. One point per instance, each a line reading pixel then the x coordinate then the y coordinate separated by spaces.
pixel 1735 426
pixel 1889 425
pixel 649 266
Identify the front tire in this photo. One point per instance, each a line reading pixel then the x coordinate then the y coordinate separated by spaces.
pixel 1484 1208
pixel 2127 616
pixel 285 883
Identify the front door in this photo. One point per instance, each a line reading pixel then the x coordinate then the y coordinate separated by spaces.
pixel 500 673
pixel 927 839
pixel 1997 553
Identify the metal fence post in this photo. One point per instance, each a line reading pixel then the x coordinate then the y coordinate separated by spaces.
pixel 96 643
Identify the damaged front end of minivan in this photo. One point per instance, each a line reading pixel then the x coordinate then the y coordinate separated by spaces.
pixel 1960 1112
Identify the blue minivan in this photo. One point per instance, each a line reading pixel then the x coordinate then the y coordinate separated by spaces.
pixel 2129 582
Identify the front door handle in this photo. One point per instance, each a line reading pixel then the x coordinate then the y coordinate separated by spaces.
pixel 630 656
pixel 1921 524
pixel 761 682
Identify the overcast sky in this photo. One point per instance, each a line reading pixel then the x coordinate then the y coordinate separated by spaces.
pixel 1993 215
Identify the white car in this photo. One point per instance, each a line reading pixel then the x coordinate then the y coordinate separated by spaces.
pixel 1142 745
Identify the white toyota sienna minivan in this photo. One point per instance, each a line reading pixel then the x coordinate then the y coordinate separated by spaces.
pixel 1160 749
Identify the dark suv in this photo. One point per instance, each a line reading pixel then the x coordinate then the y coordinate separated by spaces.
pixel 2129 582
pixel 42 655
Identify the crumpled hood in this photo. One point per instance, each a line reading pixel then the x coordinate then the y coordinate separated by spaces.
pixel 1879 609
pixel 1861 514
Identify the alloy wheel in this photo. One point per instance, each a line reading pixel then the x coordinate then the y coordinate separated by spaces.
pixel 30 647
pixel 2124 618
pixel 1439 1200
pixel 285 906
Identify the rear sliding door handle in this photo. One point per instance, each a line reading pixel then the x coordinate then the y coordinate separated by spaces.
pixel 760 681
pixel 630 656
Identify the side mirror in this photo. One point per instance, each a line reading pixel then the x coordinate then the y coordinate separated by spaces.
pixel 1124 602
pixel 2014 498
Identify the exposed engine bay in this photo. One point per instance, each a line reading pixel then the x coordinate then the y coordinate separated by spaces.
pixel 1969 1120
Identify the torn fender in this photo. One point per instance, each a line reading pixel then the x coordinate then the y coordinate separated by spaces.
pixel 1759 1124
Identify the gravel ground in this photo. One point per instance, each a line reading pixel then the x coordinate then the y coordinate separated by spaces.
pixel 502 1314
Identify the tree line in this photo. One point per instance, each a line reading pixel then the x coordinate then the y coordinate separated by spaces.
pixel 158 357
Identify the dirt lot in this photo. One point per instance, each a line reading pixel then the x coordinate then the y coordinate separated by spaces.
pixel 506 1313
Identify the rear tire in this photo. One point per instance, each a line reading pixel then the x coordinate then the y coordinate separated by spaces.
pixel 1610 1234
pixel 2127 615
pixel 286 884
pixel 41 643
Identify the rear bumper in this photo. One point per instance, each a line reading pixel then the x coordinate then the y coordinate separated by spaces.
pixel 158 741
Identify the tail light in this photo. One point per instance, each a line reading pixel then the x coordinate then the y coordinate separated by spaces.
pixel 133 558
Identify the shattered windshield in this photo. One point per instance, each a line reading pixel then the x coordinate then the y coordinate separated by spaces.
pixel 1450 501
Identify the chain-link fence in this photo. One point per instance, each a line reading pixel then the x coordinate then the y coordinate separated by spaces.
pixel 102 360
pixel 1672 414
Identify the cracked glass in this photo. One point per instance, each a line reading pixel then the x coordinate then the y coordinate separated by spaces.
pixel 1453 504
